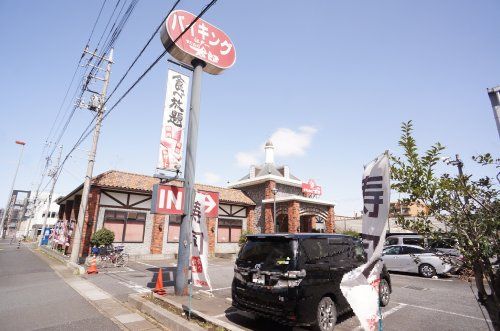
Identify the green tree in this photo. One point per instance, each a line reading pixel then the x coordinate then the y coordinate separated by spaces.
pixel 102 237
pixel 468 208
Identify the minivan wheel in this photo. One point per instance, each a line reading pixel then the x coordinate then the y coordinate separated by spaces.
pixel 384 292
pixel 326 315
pixel 426 270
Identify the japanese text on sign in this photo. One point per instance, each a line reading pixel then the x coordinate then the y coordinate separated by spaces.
pixel 202 41
pixel 172 132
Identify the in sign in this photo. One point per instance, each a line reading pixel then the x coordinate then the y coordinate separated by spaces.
pixel 202 41
pixel 168 199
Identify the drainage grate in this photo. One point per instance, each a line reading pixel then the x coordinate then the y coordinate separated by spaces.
pixel 416 288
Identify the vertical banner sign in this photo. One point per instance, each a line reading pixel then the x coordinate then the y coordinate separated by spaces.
pixel 361 285
pixel 199 244
pixel 172 130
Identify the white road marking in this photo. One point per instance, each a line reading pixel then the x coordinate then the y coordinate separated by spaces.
pixel 147 264
pixel 229 299
pixel 219 289
pixel 136 287
pixel 387 313
pixel 393 310
pixel 448 312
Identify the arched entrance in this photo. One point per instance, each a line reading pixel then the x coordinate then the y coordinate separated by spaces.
pixel 282 223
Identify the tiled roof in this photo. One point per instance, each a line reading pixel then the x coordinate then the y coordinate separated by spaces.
pixel 137 182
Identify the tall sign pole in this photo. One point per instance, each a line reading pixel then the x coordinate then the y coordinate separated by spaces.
pixel 3 226
pixel 195 42
pixel 75 250
pixel 183 263
pixel 53 174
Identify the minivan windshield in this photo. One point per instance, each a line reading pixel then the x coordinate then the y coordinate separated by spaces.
pixel 269 254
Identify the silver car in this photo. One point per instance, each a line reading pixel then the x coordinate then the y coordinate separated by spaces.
pixel 415 259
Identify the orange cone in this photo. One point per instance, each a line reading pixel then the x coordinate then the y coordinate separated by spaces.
pixel 159 284
pixel 93 267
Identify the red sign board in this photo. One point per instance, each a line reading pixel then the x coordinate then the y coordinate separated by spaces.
pixel 202 41
pixel 310 188
pixel 169 199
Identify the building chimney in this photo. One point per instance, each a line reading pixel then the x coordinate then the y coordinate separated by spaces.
pixel 269 148
pixel 252 171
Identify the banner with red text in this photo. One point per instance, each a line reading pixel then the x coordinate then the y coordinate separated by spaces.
pixel 174 115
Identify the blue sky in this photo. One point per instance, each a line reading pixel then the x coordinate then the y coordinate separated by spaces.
pixel 331 81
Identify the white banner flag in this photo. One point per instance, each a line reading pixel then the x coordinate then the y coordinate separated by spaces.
pixel 174 114
pixel 361 286
pixel 199 244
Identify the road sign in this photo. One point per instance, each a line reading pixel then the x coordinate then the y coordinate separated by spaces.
pixel 169 199
pixel 203 41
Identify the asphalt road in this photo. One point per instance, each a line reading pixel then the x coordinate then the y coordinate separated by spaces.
pixel 416 303
pixel 34 297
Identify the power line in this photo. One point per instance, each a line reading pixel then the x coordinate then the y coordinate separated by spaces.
pixel 142 50
pixel 87 132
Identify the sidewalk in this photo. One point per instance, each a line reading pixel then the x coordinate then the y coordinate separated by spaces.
pixel 124 316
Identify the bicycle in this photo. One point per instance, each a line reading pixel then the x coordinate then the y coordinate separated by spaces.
pixel 110 257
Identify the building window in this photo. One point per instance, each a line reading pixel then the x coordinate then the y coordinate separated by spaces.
pixel 229 230
pixel 174 228
pixel 127 226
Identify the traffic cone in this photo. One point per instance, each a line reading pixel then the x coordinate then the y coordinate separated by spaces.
pixel 159 284
pixel 93 267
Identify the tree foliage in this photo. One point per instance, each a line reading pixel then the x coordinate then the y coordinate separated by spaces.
pixel 457 206
pixel 102 237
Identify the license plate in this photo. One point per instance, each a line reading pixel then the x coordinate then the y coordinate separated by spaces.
pixel 259 279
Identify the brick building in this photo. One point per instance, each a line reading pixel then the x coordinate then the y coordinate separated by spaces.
pixel 121 202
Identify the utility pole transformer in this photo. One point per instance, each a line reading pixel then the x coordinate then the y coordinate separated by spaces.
pixel 77 239
pixel 53 174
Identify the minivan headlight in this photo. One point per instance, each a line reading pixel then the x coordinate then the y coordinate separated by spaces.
pixel 238 276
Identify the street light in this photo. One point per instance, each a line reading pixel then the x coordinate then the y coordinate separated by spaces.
pixel 494 94
pixel 21 143
pixel 275 191
pixel 459 164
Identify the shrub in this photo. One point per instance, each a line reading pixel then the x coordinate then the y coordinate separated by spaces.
pixel 102 237
pixel 243 238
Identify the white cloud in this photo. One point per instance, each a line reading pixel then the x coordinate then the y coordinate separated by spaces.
pixel 287 142
pixel 292 143
pixel 212 178
pixel 246 159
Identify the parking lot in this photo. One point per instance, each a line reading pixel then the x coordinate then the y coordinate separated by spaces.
pixel 416 303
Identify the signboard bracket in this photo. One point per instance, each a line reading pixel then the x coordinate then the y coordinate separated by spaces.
pixel 185 66
pixel 165 179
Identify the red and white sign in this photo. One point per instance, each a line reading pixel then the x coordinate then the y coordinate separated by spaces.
pixel 199 243
pixel 311 188
pixel 169 199
pixel 203 41
pixel 174 114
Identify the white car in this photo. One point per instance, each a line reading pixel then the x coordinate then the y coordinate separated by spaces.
pixel 415 259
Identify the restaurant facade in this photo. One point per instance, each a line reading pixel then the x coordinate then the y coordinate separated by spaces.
pixel 121 202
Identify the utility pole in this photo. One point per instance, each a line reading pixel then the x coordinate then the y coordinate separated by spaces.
pixel 53 174
pixel 183 263
pixel 75 251
pixel 2 224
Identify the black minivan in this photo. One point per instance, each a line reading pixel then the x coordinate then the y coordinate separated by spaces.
pixel 295 278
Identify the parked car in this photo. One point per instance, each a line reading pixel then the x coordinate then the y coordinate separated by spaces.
pixel 295 278
pixel 445 245
pixel 415 259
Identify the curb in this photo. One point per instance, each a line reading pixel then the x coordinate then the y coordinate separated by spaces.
pixel 163 316
pixel 80 270
pixel 140 303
